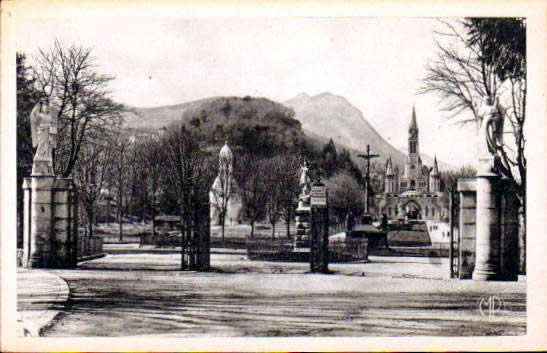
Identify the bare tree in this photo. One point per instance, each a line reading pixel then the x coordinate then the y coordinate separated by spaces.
pixel 345 195
pixel 290 189
pixel 274 184
pixel 149 159
pixel 67 77
pixel 186 167
pixel 486 58
pixel 250 172
pixel 120 147
pixel 91 174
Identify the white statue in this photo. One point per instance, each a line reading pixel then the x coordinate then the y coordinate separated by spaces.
pixel 490 132
pixel 304 177
pixel 491 119
pixel 43 126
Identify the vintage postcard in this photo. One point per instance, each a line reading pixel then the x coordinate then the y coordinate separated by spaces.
pixel 273 176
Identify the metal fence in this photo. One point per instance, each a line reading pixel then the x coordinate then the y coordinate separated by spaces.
pixel 283 250
pixel 89 246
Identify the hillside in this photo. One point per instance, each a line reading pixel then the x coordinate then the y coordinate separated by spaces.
pixel 333 116
pixel 256 124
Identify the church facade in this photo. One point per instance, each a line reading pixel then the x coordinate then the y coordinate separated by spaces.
pixel 415 193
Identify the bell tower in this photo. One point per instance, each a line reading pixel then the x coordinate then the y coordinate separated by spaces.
pixel 413 143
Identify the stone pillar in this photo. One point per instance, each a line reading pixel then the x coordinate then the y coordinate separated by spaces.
pixel 467 227
pixel 63 237
pixel 488 234
pixel 49 235
pixel 40 221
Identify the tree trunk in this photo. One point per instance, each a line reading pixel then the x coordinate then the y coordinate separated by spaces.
pixel 91 217
pixel 120 227
pixel 222 225
pixel 288 224
pixel 522 240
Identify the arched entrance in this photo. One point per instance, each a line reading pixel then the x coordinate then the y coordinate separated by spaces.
pixel 412 210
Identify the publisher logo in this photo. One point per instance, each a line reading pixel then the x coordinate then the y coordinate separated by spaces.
pixel 491 306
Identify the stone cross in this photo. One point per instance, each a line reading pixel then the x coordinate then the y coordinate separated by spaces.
pixel 368 157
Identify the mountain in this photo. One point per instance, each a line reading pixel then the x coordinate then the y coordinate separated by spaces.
pixel 333 116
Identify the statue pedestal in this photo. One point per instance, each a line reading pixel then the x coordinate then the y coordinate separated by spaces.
pixel 488 234
pixel 488 229
pixel 50 235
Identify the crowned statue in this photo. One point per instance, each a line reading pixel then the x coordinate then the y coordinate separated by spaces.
pixel 43 126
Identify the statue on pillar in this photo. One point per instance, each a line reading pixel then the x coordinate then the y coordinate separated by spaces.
pixel 490 136
pixel 43 126
pixel 305 181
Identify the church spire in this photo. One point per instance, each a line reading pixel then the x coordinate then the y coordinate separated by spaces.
pixel 389 167
pixel 413 124
pixel 435 170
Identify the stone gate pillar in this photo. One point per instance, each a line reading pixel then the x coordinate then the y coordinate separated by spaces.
pixel 49 235
pixel 488 234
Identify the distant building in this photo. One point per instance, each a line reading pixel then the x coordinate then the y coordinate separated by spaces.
pixel 225 191
pixel 415 194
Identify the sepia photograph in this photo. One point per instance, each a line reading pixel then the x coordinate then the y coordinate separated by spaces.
pixel 180 175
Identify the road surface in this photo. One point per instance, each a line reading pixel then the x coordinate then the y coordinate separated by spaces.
pixel 145 294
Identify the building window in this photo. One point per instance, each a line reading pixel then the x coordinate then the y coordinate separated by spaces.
pixel 433 212
pixel 426 211
pixel 389 211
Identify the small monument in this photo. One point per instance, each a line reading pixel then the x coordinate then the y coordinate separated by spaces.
pixel 224 194
pixel 50 232
pixel 303 211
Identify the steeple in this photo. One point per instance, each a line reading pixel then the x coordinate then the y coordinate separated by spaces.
pixel 435 178
pixel 413 125
pixel 389 167
pixel 435 170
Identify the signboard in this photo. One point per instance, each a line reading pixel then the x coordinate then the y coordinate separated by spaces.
pixel 318 196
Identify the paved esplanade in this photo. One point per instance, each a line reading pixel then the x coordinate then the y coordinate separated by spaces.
pixel 144 294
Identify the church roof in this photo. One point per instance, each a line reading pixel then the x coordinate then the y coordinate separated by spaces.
pixel 413 125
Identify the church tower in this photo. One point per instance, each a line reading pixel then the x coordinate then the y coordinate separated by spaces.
pixel 413 143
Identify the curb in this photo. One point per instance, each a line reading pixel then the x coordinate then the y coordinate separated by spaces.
pixel 40 303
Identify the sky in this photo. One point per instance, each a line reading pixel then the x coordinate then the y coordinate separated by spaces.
pixel 376 63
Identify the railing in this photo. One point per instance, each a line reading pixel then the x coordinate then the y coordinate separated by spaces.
pixel 89 246
pixel 283 250
pixel 348 250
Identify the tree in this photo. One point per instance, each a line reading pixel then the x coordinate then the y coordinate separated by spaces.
pixel 188 170
pixel 149 159
pixel 250 172
pixel 273 187
pixel 26 98
pixel 92 172
pixel 118 173
pixel 67 77
pixel 486 58
pixel 289 175
pixel 344 195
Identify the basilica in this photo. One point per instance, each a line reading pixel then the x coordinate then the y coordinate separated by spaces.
pixel 415 193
